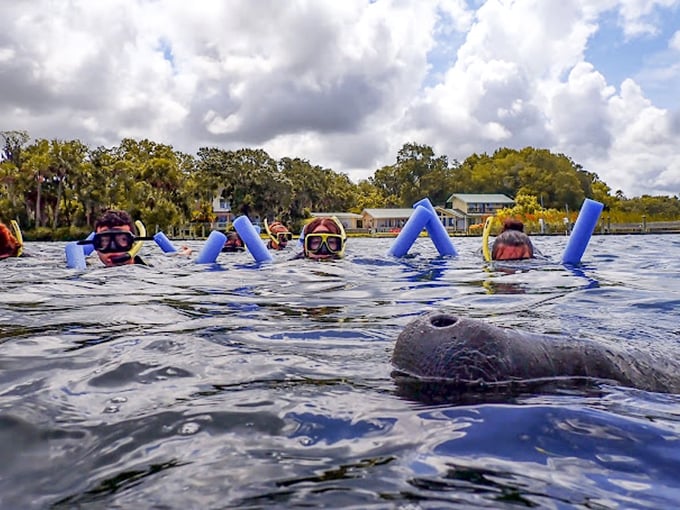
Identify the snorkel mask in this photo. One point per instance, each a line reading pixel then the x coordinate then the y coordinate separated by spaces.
pixel 118 241
pixel 326 243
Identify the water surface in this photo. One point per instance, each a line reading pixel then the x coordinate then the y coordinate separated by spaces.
pixel 238 385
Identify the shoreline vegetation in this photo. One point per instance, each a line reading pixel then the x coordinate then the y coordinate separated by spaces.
pixel 55 189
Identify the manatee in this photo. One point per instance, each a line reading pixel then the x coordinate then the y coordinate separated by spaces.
pixel 441 353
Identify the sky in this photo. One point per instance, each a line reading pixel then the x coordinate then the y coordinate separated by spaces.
pixel 345 84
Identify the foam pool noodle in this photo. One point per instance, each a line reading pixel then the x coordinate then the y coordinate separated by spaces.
pixel 410 231
pixel 88 248
pixel 75 256
pixel 251 239
pixel 164 243
pixel 212 248
pixel 582 231
pixel 438 234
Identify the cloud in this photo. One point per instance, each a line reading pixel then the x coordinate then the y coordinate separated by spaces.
pixel 642 17
pixel 674 43
pixel 344 84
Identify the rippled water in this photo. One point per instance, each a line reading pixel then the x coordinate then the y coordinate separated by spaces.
pixel 186 386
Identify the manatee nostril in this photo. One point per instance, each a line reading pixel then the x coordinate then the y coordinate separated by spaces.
pixel 443 321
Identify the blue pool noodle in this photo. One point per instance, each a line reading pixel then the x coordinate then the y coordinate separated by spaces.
pixel 212 248
pixel 582 231
pixel 410 231
pixel 88 248
pixel 251 239
pixel 75 256
pixel 438 234
pixel 164 243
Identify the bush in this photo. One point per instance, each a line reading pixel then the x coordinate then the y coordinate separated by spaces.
pixel 60 234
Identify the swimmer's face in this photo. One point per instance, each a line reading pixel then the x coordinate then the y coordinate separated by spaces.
pixel 108 258
pixel 322 248
pixel 508 252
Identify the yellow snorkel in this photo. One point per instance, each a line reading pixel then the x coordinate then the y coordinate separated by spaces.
pixel 485 238
pixel 266 229
pixel 16 232
pixel 137 245
pixel 269 232
pixel 275 237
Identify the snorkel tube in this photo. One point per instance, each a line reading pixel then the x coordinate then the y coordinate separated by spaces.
pixel 251 239
pixel 582 232
pixel 485 239
pixel 137 245
pixel 438 234
pixel 16 232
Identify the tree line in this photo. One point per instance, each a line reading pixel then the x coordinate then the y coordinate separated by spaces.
pixel 57 188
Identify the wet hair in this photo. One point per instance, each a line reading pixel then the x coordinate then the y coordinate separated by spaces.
pixel 513 224
pixel 9 246
pixel 113 218
pixel 511 237
pixel 277 227
pixel 328 223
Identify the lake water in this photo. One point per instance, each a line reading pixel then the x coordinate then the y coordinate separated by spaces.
pixel 244 386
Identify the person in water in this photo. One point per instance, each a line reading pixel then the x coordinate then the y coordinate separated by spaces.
pixel 279 235
pixel 10 242
pixel 512 243
pixel 233 243
pixel 323 239
pixel 114 239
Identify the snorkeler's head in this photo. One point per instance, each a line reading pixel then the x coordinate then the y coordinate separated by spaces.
pixel 9 245
pixel 512 244
pixel 278 234
pixel 113 218
pixel 512 224
pixel 324 238
pixel 233 242
pixel 114 237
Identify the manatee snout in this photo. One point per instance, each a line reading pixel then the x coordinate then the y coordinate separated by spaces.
pixel 471 353
pixel 443 345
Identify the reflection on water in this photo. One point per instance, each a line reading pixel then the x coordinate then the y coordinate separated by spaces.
pixel 238 385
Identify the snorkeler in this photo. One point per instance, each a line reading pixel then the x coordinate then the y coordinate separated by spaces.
pixel 233 243
pixel 114 240
pixel 11 241
pixel 512 243
pixel 278 234
pixel 323 239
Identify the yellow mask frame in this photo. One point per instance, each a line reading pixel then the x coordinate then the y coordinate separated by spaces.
pixel 342 234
